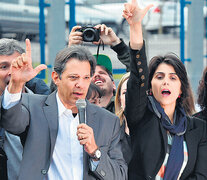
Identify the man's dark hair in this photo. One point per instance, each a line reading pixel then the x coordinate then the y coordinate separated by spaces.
pixel 9 47
pixel 93 90
pixel 77 52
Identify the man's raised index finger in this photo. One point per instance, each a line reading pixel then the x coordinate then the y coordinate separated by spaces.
pixel 28 48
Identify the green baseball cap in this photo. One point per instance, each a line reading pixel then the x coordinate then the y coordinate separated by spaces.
pixel 104 60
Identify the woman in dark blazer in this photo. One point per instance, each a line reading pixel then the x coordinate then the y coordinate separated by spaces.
pixel 166 142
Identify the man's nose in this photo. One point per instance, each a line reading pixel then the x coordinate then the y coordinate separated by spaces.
pixel 96 75
pixel 9 73
pixel 8 77
pixel 79 83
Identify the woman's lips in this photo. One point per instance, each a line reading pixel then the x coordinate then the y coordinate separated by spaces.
pixel 166 92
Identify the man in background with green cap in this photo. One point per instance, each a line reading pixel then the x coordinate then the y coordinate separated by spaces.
pixel 103 76
pixel 104 79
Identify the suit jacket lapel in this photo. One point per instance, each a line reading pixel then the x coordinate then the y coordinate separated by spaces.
pixel 51 114
pixel 91 121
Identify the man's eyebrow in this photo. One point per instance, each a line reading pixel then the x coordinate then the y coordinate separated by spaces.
pixel 102 71
pixel 4 62
pixel 72 74
pixel 77 74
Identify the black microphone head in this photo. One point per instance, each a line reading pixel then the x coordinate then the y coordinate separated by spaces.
pixel 81 103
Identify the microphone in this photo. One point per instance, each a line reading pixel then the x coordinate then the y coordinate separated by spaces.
pixel 81 105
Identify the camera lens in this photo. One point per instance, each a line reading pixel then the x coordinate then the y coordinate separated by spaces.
pixel 89 35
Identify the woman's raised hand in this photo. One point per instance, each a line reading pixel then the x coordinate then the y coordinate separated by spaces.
pixel 133 13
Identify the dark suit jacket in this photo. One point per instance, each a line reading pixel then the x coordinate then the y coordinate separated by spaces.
pixel 149 138
pixel 38 86
pixel 38 116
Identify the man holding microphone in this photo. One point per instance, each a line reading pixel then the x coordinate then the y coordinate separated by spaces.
pixel 54 137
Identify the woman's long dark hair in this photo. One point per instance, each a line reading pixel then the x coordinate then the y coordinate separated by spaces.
pixel 186 98
pixel 202 90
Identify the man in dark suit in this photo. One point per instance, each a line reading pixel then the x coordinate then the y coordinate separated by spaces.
pixel 11 144
pixel 57 146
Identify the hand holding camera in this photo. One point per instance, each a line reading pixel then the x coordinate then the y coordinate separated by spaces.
pixel 107 35
pixel 75 37
pixel 93 34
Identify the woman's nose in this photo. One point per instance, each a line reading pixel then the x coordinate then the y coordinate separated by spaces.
pixel 165 82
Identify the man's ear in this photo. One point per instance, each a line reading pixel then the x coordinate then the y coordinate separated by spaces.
pixel 55 77
pixel 114 86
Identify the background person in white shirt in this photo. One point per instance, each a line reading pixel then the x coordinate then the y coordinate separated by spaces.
pixel 53 147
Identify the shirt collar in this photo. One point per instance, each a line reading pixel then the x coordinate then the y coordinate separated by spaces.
pixel 27 90
pixel 61 107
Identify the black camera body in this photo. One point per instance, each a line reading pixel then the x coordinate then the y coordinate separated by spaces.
pixel 90 33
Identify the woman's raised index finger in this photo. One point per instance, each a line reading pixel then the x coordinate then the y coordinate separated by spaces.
pixel 134 2
pixel 28 48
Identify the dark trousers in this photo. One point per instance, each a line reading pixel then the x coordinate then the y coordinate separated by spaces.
pixel 3 165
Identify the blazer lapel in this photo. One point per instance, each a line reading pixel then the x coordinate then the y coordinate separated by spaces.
pixel 190 137
pixel 164 145
pixel 51 114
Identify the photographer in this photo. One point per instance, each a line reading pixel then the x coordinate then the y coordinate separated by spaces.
pixel 103 73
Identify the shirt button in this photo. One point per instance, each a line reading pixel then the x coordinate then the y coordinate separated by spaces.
pixel 137 56
pixel 43 171
pixel 142 77
pixel 149 177
pixel 139 63
pixel 102 173
pixel 142 85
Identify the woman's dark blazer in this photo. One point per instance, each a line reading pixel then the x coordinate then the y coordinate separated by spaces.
pixel 201 114
pixel 125 144
pixel 149 138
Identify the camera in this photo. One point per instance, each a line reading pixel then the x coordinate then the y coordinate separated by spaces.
pixel 90 34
